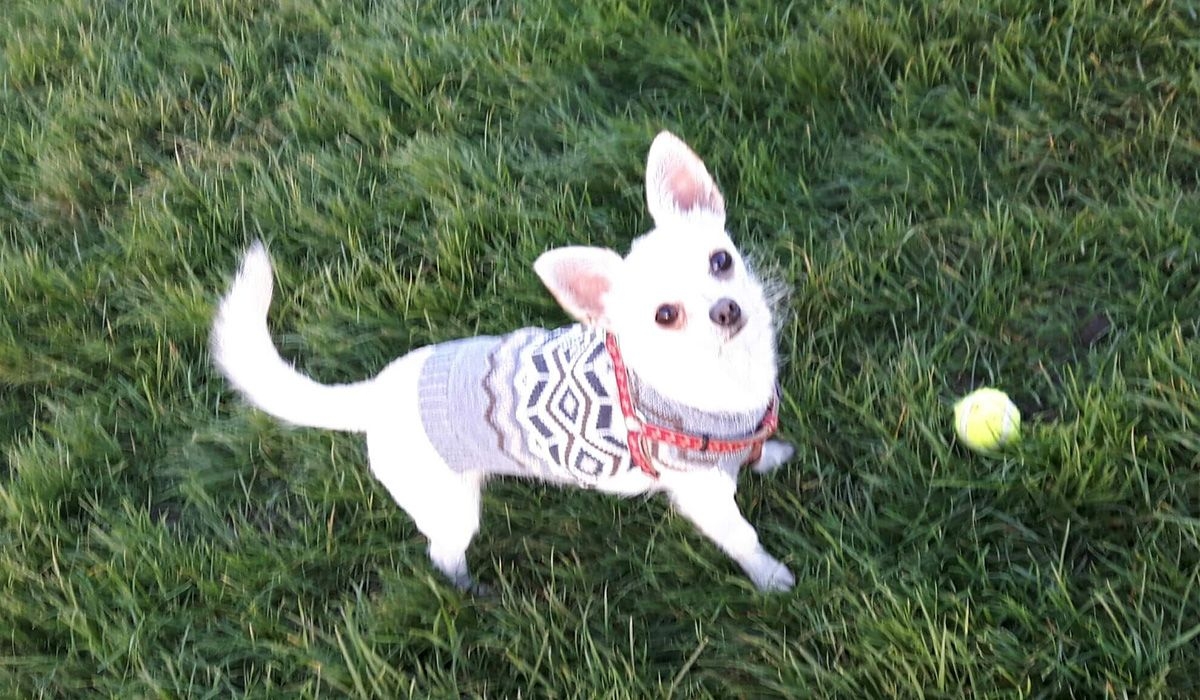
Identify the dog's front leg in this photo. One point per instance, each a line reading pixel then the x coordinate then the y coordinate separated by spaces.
pixel 775 453
pixel 707 500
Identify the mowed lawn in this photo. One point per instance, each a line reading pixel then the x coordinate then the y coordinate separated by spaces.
pixel 955 194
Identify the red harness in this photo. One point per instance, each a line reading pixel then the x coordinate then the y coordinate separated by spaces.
pixel 639 431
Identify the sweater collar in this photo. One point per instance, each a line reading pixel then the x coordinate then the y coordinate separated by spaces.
pixel 642 432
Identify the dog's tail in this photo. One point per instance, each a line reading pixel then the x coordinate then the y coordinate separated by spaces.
pixel 243 350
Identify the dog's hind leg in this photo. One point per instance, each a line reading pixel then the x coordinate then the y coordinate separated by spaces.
pixel 443 503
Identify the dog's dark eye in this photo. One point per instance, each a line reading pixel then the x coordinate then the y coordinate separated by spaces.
pixel 720 262
pixel 667 315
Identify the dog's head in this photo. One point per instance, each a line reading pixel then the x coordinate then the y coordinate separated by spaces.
pixel 691 317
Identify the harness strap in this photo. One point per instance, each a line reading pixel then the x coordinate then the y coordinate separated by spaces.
pixel 639 430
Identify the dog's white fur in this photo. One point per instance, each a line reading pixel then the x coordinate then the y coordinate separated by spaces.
pixel 699 364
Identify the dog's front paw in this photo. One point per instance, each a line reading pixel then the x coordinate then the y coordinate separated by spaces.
pixel 774 453
pixel 772 576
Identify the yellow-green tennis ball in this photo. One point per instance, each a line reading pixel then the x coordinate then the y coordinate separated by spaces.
pixel 986 419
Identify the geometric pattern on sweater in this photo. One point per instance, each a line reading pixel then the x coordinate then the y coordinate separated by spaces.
pixel 544 403
pixel 558 390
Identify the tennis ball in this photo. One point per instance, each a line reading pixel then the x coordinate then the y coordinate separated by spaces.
pixel 986 419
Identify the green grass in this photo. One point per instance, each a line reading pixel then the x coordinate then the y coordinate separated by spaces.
pixel 956 193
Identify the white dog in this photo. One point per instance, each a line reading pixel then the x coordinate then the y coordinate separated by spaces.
pixel 667 383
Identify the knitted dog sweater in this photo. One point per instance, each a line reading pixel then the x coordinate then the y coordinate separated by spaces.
pixel 544 404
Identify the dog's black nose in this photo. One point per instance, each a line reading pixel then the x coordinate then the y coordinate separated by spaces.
pixel 725 312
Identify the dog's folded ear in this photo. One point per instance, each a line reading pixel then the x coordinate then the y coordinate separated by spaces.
pixel 579 277
pixel 677 183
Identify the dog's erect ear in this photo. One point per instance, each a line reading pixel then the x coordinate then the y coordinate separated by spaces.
pixel 678 184
pixel 579 277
